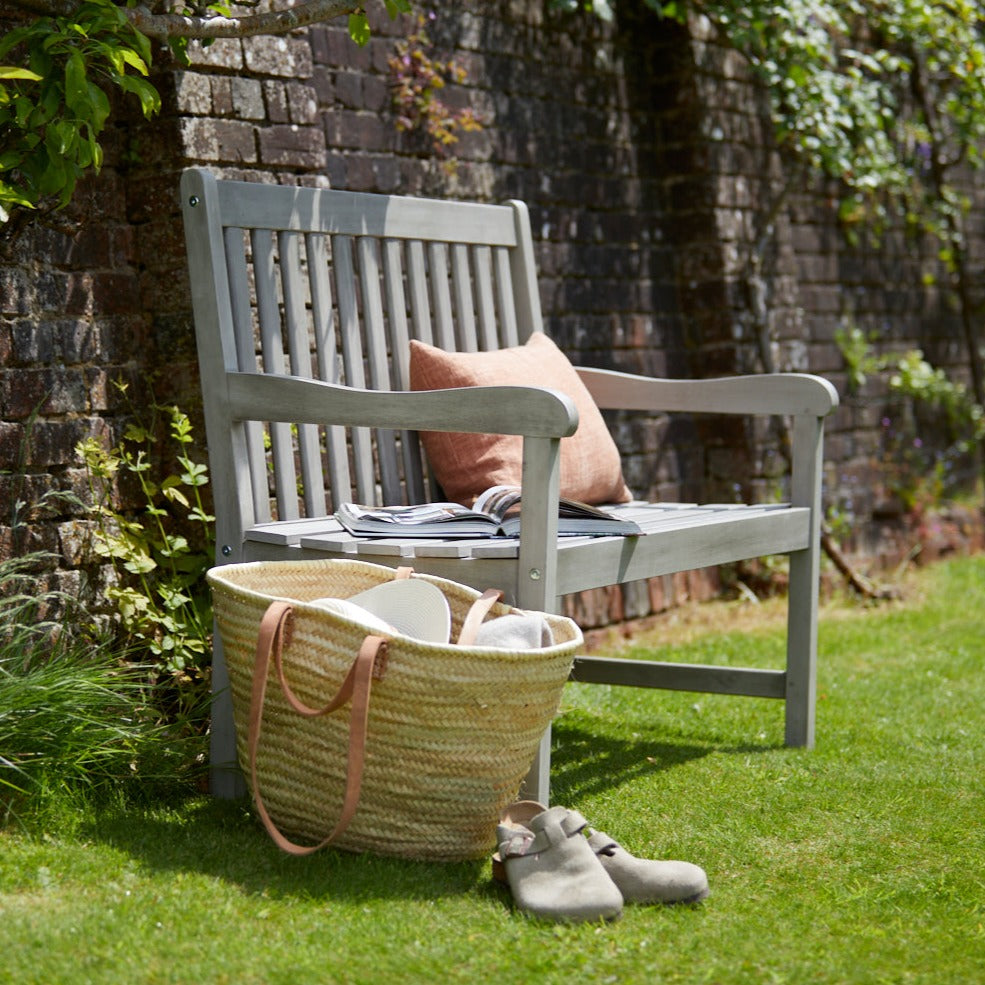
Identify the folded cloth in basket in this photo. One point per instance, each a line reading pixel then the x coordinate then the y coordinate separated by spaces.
pixel 516 631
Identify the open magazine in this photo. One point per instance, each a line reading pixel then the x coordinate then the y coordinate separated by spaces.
pixel 496 513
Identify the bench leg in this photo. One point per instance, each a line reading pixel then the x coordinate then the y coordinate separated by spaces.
pixel 537 784
pixel 225 779
pixel 802 622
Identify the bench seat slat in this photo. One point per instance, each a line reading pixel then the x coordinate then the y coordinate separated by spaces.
pixel 694 538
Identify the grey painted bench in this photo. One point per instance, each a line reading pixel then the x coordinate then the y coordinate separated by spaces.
pixel 305 301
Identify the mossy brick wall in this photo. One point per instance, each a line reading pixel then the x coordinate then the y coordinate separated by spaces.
pixel 639 150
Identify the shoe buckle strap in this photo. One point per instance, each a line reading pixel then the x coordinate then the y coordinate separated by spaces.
pixel 519 843
pixel 572 823
pixel 601 842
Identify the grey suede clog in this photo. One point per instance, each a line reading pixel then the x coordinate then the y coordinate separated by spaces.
pixel 643 880
pixel 552 870
pixel 638 880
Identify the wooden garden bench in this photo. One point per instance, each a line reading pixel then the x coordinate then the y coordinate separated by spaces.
pixel 305 302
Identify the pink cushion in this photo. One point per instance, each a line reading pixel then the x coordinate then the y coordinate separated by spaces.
pixel 467 464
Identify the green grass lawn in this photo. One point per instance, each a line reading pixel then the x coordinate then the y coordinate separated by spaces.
pixel 860 861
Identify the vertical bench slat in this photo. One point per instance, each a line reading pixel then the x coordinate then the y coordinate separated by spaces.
pixel 396 305
pixel 444 324
pixel 246 359
pixel 377 355
pixel 417 278
pixel 525 293
pixel 508 334
pixel 299 353
pixel 482 273
pixel 352 357
pixel 464 313
pixel 327 361
pixel 272 349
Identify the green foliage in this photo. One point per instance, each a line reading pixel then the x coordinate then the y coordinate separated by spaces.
pixel 76 718
pixel 856 350
pixel 161 554
pixel 915 378
pixel 359 29
pixel 918 470
pixel 600 8
pixel 54 99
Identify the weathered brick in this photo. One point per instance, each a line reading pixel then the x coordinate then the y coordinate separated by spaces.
pixel 219 140
pixel 193 93
pixel 222 95
pixel 287 57
pixel 14 292
pixel 292 146
pixel 360 131
pixel 302 102
pixel 222 53
pixel 275 96
pixel 247 99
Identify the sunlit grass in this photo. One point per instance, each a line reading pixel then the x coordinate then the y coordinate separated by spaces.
pixel 861 861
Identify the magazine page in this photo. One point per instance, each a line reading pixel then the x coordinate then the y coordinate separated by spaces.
pixel 497 501
pixel 409 515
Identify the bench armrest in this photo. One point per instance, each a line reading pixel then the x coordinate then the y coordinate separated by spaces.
pixel 535 412
pixel 766 393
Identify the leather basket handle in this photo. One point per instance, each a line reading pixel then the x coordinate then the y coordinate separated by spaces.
pixel 477 612
pixel 275 630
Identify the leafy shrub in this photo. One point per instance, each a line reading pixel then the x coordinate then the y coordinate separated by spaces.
pixel 161 553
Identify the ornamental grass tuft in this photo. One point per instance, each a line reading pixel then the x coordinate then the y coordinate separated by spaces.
pixel 78 719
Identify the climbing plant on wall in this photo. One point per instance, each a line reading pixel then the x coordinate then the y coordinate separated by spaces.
pixel 887 99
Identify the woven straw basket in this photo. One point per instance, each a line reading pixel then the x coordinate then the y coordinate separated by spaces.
pixel 451 731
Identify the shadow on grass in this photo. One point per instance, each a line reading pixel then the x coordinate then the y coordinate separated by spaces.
pixel 222 839
pixel 589 758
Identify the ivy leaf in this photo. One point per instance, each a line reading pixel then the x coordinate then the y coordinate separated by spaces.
pixel 359 29
pixel 603 10
pixel 396 7
pixel 76 86
pixel 150 100
pixel 13 72
pixel 134 60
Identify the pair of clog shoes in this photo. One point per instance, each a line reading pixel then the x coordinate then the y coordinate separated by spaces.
pixel 557 873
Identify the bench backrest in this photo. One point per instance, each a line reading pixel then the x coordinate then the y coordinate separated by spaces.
pixel 332 286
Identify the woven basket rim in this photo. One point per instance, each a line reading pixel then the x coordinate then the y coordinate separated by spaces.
pixel 218 577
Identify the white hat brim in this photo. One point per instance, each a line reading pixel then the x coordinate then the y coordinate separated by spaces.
pixel 412 606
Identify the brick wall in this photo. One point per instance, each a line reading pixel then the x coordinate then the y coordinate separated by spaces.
pixel 639 150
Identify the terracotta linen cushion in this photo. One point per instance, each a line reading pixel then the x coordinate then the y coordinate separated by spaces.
pixel 467 464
